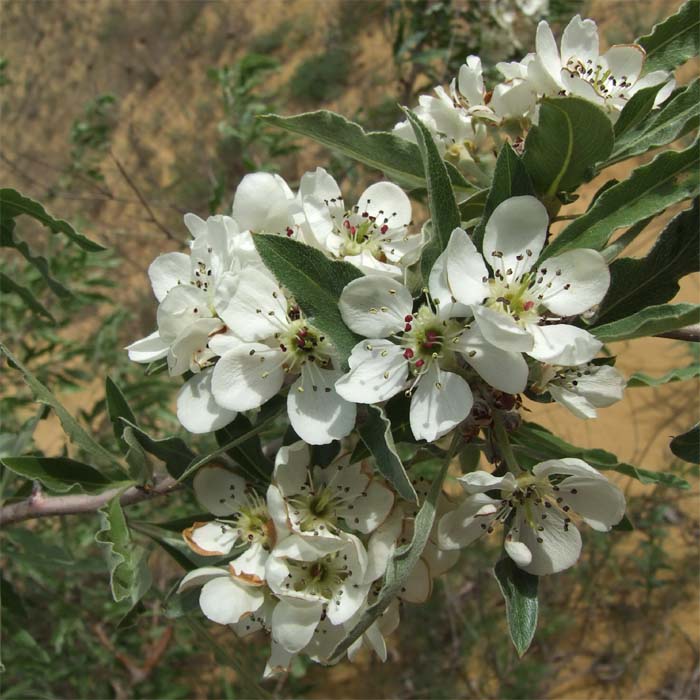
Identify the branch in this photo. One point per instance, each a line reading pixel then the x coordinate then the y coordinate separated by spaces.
pixel 689 333
pixel 40 506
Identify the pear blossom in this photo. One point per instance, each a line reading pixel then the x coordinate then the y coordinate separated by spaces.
pixel 250 521
pixel 318 499
pixel 278 342
pixel 608 80
pixel 537 508
pixel 372 235
pixel 418 352
pixel 519 306
pixel 582 389
pixel 314 578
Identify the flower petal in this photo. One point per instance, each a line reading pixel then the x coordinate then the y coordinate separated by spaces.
pixel 598 501
pixel 418 586
pixel 250 566
pixel 503 370
pixel 466 271
pixel 198 577
pixel 441 401
pixel 196 408
pixel 480 481
pixel 572 282
pixel 291 464
pixel 562 344
pixel 167 271
pixel 547 51
pixel 625 60
pixel 248 376
pixel 378 371
pixel 375 306
pixel 294 622
pixel 501 330
pixel 461 526
pixel 514 235
pixel 560 544
pixel 370 509
pixel 388 203
pixel 148 349
pixel 580 41
pixel 317 412
pixel 211 539
pixel 261 203
pixel 218 490
pixel 226 601
pixel 440 291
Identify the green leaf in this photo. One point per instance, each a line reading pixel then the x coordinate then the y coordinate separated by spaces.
pixel 687 445
pixel 649 321
pixel 671 177
pixel 444 214
pixel 537 442
pixel 663 126
pixel 248 455
pixel 635 110
pixel 397 158
pixel 128 570
pixel 673 41
pixel 8 240
pixel 402 563
pixel 14 204
pixel 510 179
pixel 72 428
pixel 8 286
pixel 59 474
pixel 473 207
pixel 675 375
pixel 638 283
pixel 266 417
pixel 140 466
pixel 519 590
pixel 117 407
pixel 375 432
pixel 172 450
pixel 571 137
pixel 315 282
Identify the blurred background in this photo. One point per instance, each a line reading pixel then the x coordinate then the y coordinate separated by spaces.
pixel 120 116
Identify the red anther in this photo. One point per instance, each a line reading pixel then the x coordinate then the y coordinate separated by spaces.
pixel 365 214
pixel 302 332
pixel 407 327
pixel 384 229
pixel 420 363
pixel 408 353
pixel 346 223
pixel 431 335
pixel 290 231
pixel 408 318
pixel 353 230
pixel 528 305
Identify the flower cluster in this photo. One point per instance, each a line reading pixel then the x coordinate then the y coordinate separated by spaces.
pixel 462 118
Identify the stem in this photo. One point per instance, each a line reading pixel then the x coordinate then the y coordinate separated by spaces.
pixel 689 333
pixel 503 442
pixel 42 506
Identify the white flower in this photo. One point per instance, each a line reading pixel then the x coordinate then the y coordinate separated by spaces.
pixel 279 342
pixel 608 80
pixel 522 309
pixel 250 521
pixel 315 577
pixel 422 356
pixel 582 389
pixel 542 538
pixel 317 499
pixel 372 235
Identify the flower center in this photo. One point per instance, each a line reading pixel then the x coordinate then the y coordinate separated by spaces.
pixel 425 338
pixel 304 343
pixel 316 511
pixel 600 79
pixel 361 232
pixel 254 523
pixel 514 297
pixel 322 577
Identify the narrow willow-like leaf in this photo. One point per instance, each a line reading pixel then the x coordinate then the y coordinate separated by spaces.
pixel 538 443
pixel 9 286
pixel 510 179
pixel 375 432
pixel 315 282
pixel 14 204
pixel 402 563
pixel 140 466
pixel 248 455
pixel 651 320
pixel 638 283
pixel 519 589
pixel 635 110
pixel 673 41
pixel 444 213
pixel 671 177
pixel 640 379
pixel 397 158
pixel 663 126
pixel 129 576
pixel 72 428
pixel 687 445
pixel 473 207
pixel 571 137
pixel 117 407
pixel 60 474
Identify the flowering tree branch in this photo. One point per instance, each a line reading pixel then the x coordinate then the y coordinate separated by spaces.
pixel 40 506
pixel 689 333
